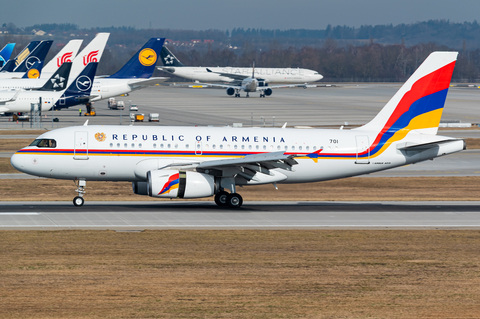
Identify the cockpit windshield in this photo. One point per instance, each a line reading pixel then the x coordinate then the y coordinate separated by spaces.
pixel 44 142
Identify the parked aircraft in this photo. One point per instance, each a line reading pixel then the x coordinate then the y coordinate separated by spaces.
pixel 36 76
pixel 193 162
pixel 249 84
pixel 47 95
pixel 54 89
pixel 5 53
pixel 236 74
pixel 134 75
pixel 11 64
pixel 38 54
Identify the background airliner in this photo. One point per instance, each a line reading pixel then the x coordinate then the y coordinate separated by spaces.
pixel 192 162
pixel 38 54
pixel 235 75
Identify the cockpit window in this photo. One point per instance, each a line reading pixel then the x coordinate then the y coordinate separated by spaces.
pixel 44 143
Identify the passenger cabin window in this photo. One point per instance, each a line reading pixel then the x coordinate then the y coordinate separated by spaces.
pixel 50 143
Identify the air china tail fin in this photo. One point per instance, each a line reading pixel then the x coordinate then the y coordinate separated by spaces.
pixel 58 81
pixel 66 54
pixel 34 72
pixel 6 53
pixel 38 54
pixel 142 64
pixel 91 53
pixel 418 104
pixel 168 59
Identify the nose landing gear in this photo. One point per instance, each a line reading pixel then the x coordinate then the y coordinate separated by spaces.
pixel 78 200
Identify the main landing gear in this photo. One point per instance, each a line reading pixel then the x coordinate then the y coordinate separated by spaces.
pixel 232 200
pixel 237 93
pixel 78 200
pixel 223 199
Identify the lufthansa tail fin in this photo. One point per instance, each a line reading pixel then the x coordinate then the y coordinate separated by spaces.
pixel 6 53
pixel 418 104
pixel 38 54
pixel 82 85
pixel 142 64
pixel 12 63
pixel 168 58
pixel 58 81
pixel 34 72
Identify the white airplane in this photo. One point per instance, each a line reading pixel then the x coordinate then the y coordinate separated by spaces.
pixel 193 162
pixel 47 95
pixel 235 75
pixel 134 75
pixel 55 89
pixel 249 84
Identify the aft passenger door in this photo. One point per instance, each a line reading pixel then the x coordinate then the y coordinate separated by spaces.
pixel 363 150
pixel 80 151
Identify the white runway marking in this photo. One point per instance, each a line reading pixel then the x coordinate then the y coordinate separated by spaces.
pixel 19 214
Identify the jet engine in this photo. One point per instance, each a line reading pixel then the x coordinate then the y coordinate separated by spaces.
pixel 268 92
pixel 230 91
pixel 180 184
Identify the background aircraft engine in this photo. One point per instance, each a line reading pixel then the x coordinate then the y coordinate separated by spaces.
pixel 268 92
pixel 180 184
pixel 140 188
pixel 230 91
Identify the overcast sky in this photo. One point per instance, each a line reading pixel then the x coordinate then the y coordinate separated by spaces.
pixel 226 14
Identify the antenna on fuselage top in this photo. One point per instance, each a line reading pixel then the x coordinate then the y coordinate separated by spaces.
pixel 86 123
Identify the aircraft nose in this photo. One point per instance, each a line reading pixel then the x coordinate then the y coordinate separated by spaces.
pixel 17 161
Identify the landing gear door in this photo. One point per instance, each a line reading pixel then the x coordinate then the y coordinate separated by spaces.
pixel 363 150
pixel 80 151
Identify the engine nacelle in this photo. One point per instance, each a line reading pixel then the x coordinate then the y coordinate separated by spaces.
pixel 230 91
pixel 180 184
pixel 268 92
pixel 140 188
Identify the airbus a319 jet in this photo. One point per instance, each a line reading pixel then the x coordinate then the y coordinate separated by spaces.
pixel 193 162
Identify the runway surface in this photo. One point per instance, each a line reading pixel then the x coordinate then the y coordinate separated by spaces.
pixel 253 215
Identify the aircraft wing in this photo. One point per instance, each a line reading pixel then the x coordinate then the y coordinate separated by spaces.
pixel 141 83
pixel 230 75
pixel 12 97
pixel 246 166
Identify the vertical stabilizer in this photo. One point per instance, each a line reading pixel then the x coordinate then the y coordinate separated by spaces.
pixel 38 54
pixel 58 81
pixel 12 63
pixel 168 58
pixel 418 104
pixel 66 54
pixel 91 53
pixel 142 64
pixel 6 53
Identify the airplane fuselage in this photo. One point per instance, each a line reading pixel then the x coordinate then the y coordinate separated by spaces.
pixel 270 75
pixel 14 101
pixel 127 153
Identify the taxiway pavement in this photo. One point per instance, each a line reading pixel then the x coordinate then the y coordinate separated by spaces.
pixel 252 215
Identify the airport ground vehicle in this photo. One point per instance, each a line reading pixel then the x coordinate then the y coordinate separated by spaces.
pixel 90 110
pixel 115 105
pixel 154 117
